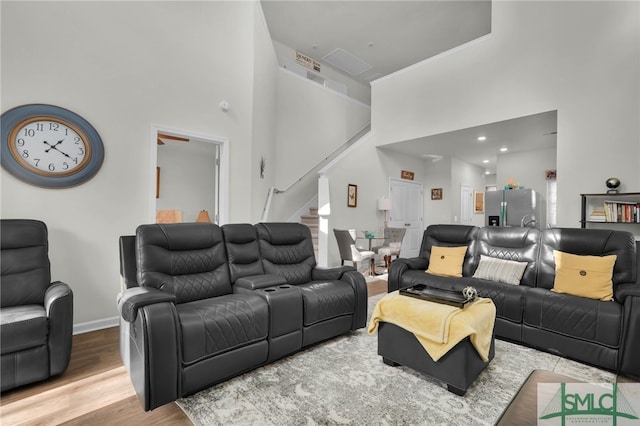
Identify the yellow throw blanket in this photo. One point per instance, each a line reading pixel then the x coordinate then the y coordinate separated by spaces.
pixel 437 326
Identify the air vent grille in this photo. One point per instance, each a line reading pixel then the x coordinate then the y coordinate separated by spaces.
pixel 345 61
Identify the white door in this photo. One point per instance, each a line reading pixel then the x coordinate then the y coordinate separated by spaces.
pixel 406 212
pixel 466 205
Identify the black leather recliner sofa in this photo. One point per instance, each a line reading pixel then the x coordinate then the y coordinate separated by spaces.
pixel 36 314
pixel 600 333
pixel 205 303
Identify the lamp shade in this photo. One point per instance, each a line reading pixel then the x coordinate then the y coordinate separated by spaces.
pixel 203 216
pixel 384 203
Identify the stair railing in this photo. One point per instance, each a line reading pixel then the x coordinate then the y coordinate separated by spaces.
pixel 273 190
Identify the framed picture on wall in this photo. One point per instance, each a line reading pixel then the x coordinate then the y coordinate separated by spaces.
pixel 352 195
pixel 436 193
pixel 478 202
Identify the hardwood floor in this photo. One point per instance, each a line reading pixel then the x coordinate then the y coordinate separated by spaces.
pixel 376 287
pixel 94 390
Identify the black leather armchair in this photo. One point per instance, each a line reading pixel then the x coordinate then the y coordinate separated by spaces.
pixel 36 314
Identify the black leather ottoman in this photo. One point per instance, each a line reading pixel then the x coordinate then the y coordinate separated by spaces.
pixel 458 368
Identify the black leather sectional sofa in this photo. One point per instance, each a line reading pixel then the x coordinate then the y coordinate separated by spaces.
pixel 204 303
pixel 602 333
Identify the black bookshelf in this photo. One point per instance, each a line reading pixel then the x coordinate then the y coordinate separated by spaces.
pixel 623 197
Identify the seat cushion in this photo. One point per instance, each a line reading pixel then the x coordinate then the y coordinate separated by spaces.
pixel 22 327
pixel 219 324
pixel 577 317
pixel 323 300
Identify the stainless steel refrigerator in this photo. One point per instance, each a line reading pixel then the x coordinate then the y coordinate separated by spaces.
pixel 513 207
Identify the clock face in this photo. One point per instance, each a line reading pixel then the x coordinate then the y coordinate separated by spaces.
pixel 49 146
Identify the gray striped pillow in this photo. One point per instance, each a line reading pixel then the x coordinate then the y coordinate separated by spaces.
pixel 501 270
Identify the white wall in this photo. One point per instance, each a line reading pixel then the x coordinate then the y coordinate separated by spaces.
pixel 117 65
pixel 579 58
pixel 355 89
pixel 265 85
pixel 438 175
pixel 312 123
pixel 187 178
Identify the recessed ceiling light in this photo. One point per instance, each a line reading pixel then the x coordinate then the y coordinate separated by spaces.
pixel 482 138
pixel 485 161
pixel 487 172
pixel 504 149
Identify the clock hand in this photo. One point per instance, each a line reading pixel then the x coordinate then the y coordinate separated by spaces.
pixel 55 147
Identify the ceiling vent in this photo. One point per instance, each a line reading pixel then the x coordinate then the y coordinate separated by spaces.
pixel 345 61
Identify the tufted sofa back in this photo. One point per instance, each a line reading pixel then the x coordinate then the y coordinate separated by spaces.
pixel 287 250
pixel 452 236
pixel 593 242
pixel 24 261
pixel 188 260
pixel 519 244
pixel 243 250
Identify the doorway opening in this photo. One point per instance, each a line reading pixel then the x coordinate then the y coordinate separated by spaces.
pixel 406 212
pixel 189 177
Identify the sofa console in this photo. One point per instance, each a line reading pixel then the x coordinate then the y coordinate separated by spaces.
pixel 203 303
pixel 569 322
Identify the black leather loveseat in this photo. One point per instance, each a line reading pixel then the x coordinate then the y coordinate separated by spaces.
pixel 205 303
pixel 601 333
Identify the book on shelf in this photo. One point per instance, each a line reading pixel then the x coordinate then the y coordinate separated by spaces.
pixel 597 215
pixel 621 211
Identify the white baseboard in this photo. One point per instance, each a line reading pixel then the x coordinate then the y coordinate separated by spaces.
pixel 100 324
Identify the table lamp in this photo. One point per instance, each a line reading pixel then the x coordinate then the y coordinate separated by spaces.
pixel 384 204
pixel 203 216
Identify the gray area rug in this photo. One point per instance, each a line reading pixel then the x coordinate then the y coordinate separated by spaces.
pixel 343 381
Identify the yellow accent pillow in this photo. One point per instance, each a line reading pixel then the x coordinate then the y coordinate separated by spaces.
pixel 446 261
pixel 585 276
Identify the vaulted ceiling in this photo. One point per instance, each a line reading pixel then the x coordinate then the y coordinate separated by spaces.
pixel 380 37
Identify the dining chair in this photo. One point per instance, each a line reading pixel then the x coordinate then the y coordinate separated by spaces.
pixel 392 244
pixel 348 250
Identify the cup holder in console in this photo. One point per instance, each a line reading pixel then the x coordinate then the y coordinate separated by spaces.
pixel 280 287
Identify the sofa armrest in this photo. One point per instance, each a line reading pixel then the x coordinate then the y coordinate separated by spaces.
pixel 58 303
pixel 256 282
pixel 132 299
pixel 330 273
pixel 629 352
pixel 622 291
pixel 359 285
pixel 149 330
pixel 399 266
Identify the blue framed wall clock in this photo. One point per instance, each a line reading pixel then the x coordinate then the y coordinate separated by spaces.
pixel 49 146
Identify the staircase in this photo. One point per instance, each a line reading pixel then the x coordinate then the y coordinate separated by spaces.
pixel 311 220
